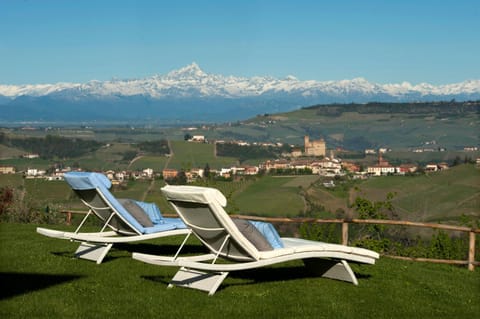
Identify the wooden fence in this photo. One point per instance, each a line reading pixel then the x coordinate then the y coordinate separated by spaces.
pixel 471 263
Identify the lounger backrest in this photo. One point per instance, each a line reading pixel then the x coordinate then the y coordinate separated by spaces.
pixel 201 208
pixel 93 190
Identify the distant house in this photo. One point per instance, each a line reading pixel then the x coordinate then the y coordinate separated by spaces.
pixel 383 167
pixel 120 176
pixel 148 172
pixel 299 164
pixel 7 170
pixel 407 168
pixel 351 167
pixel 33 172
pixel 226 172
pixel 329 184
pixel 330 166
pixel 191 176
pixel 198 138
pixel 296 152
pixel 433 167
pixel 30 156
pixel 238 170
pixel 169 173
pixel 443 166
pixel 110 174
pixel 251 170
pixel 197 172
pixel 276 164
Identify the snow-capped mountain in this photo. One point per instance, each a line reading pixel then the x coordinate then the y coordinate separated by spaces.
pixel 195 92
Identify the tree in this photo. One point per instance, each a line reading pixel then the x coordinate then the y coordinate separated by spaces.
pixel 456 161
pixel 181 178
pixel 367 209
pixel 206 171
pixel 6 198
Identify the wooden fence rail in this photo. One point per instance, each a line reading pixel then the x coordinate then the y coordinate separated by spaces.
pixel 345 229
pixel 471 263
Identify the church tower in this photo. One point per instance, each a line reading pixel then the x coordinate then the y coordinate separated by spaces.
pixel 306 143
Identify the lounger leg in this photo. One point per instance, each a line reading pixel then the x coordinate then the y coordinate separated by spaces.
pixel 333 269
pixel 93 252
pixel 191 278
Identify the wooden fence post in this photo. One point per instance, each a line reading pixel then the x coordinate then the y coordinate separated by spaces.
pixel 471 252
pixel 344 233
pixel 69 218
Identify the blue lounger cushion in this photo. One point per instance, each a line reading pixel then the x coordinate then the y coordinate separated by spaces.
pixel 252 234
pixel 269 232
pixel 136 211
pixel 152 211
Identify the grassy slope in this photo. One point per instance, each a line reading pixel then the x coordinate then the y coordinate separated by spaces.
pixel 40 279
pixel 436 197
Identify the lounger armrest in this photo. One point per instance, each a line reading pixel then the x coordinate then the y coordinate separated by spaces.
pixel 169 260
pixel 52 233
pixel 112 237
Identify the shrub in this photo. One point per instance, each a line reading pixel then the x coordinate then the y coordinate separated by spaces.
pixel 15 208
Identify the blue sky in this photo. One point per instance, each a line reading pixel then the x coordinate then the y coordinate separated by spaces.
pixel 45 41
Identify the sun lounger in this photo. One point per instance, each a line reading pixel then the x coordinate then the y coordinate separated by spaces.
pixel 243 244
pixel 124 220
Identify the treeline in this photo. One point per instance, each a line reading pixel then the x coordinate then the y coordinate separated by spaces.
pixel 52 146
pixel 155 147
pixel 431 108
pixel 245 152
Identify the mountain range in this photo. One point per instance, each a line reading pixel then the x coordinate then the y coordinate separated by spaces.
pixel 191 95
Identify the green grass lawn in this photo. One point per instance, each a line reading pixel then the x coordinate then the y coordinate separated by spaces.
pixel 41 279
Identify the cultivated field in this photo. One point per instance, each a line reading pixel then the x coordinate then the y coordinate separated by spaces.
pixel 188 155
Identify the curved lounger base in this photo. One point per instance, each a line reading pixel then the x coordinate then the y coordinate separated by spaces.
pixel 196 274
pixel 95 246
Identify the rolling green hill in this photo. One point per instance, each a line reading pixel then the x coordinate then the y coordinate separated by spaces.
pixel 451 125
pixel 448 196
pixel 435 197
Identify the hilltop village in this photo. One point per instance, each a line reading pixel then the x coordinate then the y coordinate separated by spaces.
pixel 312 159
